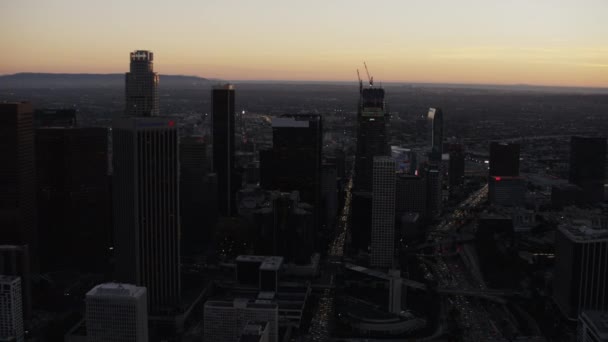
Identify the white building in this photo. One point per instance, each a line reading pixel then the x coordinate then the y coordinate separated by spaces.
pixel 383 212
pixel 11 309
pixel 225 321
pixel 117 312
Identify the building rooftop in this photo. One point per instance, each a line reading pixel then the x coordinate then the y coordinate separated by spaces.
pixel 117 290
pixel 581 230
pixel 8 279
pixel 289 122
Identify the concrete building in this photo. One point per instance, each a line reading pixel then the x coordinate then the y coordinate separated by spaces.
pixel 146 208
pixel 15 261
pixel 141 85
pixel 435 117
pixel 383 212
pixel 225 321
pixel 117 312
pixel 581 268
pixel 434 192
pixel 11 309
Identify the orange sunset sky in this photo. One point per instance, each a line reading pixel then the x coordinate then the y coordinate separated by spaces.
pixel 542 42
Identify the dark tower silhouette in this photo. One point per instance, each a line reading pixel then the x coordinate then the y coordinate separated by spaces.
pixel 74 207
pixel 587 166
pixel 223 147
pixel 504 159
pixel 18 176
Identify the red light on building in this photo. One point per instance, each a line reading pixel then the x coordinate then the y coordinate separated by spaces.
pixel 497 179
pixel 171 123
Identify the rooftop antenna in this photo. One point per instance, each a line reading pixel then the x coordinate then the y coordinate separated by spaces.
pixel 370 78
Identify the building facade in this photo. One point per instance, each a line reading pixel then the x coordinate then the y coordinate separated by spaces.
pixel 223 111
pixel 146 208
pixel 581 268
pixel 383 213
pixel 18 176
pixel 588 166
pixel 11 310
pixel 141 85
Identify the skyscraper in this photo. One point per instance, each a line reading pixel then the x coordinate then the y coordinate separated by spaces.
pixel 434 192
pixel 383 212
pixel 581 268
pixel 146 207
pixel 11 311
pixel 141 85
pixel 435 117
pixel 371 141
pixel 504 159
pixel 593 326
pixel 194 168
pixel 296 160
pixel 506 187
pixel 117 312
pixel 222 104
pixel 17 175
pixel 371 135
pixel 588 165
pixel 456 165
pixel 74 204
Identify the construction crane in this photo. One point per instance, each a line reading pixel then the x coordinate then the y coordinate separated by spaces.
pixel 360 81
pixel 370 78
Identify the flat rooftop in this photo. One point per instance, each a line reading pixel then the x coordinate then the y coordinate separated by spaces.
pixel 581 231
pixel 117 290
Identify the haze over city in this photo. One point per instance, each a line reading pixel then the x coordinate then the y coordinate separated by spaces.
pixel 557 43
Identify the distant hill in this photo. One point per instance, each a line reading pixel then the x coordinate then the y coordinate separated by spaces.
pixel 48 80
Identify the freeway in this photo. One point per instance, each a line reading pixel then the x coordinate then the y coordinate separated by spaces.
pixel 451 273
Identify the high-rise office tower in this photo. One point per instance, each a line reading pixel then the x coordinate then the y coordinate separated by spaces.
pixel 17 176
pixel 74 204
pixel 194 168
pixel 222 103
pixel 146 207
pixel 371 135
pixel 504 159
pixel 141 85
pixel 588 166
pixel 581 268
pixel 434 192
pixel 456 165
pixel 225 321
pixel 15 261
pixel 435 117
pixel 593 326
pixel 371 141
pixel 296 159
pixel 11 311
pixel 117 312
pixel 383 212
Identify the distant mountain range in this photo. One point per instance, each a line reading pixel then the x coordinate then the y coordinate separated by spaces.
pixel 48 80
